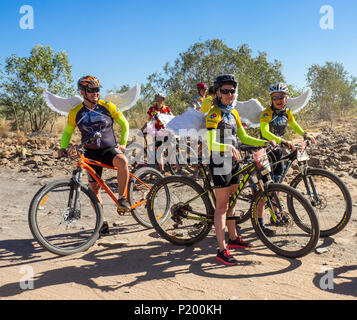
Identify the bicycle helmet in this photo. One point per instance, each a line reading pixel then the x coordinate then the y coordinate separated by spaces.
pixel 88 82
pixel 279 87
pixel 225 79
pixel 201 86
pixel 160 95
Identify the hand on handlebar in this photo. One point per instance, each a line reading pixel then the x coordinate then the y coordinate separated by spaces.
pixel 309 137
pixel 235 153
pixel 271 143
pixel 70 152
pixel 287 144
pixel 62 153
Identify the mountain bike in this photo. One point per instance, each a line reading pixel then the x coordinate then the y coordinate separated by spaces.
pixel 191 208
pixel 65 216
pixel 326 192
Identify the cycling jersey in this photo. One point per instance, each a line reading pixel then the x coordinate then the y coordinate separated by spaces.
pixel 99 119
pixel 153 111
pixel 273 123
pixel 230 129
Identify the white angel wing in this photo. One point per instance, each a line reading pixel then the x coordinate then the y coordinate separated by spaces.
pixel 165 118
pixel 125 100
pixel 298 103
pixel 249 112
pixel 188 123
pixel 59 104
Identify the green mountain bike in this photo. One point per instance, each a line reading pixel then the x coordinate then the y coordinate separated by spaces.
pixel 191 208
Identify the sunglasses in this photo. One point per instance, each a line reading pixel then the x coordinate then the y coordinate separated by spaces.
pixel 276 98
pixel 226 91
pixel 91 90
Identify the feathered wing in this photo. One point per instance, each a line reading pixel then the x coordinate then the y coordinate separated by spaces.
pixel 59 104
pixel 125 100
pixel 249 112
pixel 188 123
pixel 165 118
pixel 298 103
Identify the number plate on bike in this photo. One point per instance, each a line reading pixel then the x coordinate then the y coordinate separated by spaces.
pixel 301 153
pixel 261 159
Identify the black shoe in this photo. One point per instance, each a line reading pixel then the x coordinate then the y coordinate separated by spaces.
pixel 124 205
pixel 226 258
pixel 104 230
pixel 268 232
pixel 238 243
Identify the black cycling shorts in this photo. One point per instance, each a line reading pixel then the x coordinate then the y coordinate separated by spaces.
pixel 222 173
pixel 105 156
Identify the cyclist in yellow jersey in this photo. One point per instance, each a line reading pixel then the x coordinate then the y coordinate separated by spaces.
pixel 224 130
pixel 95 116
pixel 273 124
pixel 275 119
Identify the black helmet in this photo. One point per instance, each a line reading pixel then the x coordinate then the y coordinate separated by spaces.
pixel 225 79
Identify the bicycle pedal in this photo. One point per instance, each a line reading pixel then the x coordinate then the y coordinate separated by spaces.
pixel 122 211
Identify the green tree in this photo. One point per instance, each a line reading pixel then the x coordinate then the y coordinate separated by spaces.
pixel 24 81
pixel 334 89
pixel 202 62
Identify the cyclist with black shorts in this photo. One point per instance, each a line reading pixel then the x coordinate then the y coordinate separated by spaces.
pixel 94 116
pixel 224 130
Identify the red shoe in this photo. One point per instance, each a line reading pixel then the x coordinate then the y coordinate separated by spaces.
pixel 226 258
pixel 238 243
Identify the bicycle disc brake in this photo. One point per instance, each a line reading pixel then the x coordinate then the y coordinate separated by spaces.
pixel 320 202
pixel 70 216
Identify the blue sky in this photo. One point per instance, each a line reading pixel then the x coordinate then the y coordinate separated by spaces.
pixel 123 42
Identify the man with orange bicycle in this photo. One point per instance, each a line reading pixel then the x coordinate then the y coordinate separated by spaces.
pixel 94 116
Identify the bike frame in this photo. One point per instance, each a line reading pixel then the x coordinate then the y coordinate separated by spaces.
pixel 248 171
pixel 85 163
pixel 303 166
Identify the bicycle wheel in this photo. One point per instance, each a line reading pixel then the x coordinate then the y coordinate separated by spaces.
pixel 60 227
pixel 329 196
pixel 290 240
pixel 139 191
pixel 190 215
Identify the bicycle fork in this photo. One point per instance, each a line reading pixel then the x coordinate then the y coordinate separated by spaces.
pixel 73 198
pixel 312 195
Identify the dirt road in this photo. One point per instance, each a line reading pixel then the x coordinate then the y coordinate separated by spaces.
pixel 134 263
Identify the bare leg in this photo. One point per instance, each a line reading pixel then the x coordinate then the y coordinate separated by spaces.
pixel 121 163
pixel 222 198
